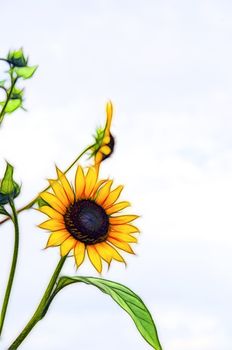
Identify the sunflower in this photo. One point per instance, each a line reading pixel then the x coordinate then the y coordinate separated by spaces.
pixel 104 140
pixel 83 219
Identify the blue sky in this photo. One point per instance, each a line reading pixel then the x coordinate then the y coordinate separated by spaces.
pixel 167 68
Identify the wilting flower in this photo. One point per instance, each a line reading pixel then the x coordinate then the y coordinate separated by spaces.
pixel 104 141
pixel 83 219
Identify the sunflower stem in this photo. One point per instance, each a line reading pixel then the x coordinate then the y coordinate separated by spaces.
pixel 31 203
pixel 13 82
pixel 13 266
pixel 38 315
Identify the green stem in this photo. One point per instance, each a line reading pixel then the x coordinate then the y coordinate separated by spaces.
pixel 13 267
pixel 30 204
pixel 38 315
pixel 13 82
pixel 5 60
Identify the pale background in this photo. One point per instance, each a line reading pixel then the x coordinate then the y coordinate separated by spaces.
pixel 166 65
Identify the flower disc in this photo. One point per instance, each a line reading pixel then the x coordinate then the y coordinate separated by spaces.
pixel 87 221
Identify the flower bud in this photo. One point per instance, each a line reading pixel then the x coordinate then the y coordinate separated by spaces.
pixel 17 58
pixel 104 140
pixel 9 189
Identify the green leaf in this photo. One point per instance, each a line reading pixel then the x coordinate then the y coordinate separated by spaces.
pixel 2 82
pixel 12 105
pixel 125 298
pixel 25 72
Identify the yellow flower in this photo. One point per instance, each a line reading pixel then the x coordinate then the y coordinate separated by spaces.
pixel 83 219
pixel 104 141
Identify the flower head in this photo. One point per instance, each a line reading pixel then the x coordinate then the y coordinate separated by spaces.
pixel 83 219
pixel 104 141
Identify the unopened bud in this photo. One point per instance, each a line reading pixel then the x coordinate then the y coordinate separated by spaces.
pixel 9 189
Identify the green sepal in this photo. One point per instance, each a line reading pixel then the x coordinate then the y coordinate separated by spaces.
pixel 99 136
pixel 9 189
pixel 7 183
pixel 16 94
pixel 124 297
pixel 17 58
pixel 41 202
pixel 12 105
pixel 4 199
pixel 25 72
pixel 3 211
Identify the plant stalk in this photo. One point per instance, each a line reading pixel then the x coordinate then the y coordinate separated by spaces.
pixel 40 309
pixel 13 267
pixel 2 113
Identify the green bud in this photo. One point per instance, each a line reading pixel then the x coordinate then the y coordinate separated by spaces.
pixel 17 94
pixel 17 58
pixel 9 189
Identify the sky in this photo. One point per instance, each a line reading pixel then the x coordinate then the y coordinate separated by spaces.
pixel 166 66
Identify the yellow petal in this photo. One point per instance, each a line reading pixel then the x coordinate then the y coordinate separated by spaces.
pixel 104 192
pixel 79 182
pixel 67 245
pixel 97 164
pixel 105 255
pixel 106 140
pixel 121 245
pixel 117 207
pixel 58 237
pixel 59 192
pixel 90 181
pixel 113 196
pixel 52 225
pixel 105 150
pixel 52 213
pixel 124 237
pixel 123 219
pixel 79 252
pixel 109 114
pixel 125 228
pixel 107 252
pixel 53 201
pixel 96 187
pixel 98 158
pixel 94 258
pixel 66 185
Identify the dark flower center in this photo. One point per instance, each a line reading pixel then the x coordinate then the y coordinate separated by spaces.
pixel 87 221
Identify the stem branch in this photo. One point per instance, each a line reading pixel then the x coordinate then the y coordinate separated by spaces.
pixel 30 204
